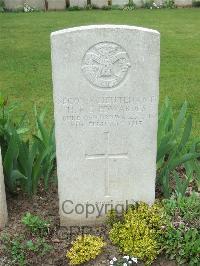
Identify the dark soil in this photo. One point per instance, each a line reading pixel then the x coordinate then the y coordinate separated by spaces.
pixel 45 204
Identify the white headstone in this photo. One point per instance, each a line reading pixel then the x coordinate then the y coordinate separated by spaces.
pixel 56 4
pixel 14 5
pixel 36 4
pixel 3 205
pixel 79 3
pixel 120 2
pixel 183 3
pixel 139 3
pixel 106 85
pixel 99 3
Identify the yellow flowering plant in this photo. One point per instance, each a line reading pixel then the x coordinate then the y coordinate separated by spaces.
pixel 85 248
pixel 137 235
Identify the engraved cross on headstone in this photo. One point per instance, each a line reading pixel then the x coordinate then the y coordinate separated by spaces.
pixel 107 156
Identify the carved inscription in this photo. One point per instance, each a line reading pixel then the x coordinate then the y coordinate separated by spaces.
pixel 105 65
pixel 107 111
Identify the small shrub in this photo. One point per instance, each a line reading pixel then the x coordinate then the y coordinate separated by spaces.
pixel 18 248
pixel 74 8
pixel 137 235
pixel 180 240
pixel 14 248
pixel 112 218
pixel 186 208
pixel 85 248
pixel 130 6
pixel 35 224
pixel 38 246
pixel 169 4
pixel 182 244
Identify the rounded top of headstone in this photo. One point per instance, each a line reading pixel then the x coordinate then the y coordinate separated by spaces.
pixel 106 26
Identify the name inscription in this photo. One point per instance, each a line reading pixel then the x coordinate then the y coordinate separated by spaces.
pixel 107 111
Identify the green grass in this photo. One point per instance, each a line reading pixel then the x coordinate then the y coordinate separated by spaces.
pixel 25 66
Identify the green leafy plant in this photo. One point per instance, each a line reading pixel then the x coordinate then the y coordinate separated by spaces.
pixel 36 159
pixel 30 163
pixel 8 127
pixel 74 8
pixel 130 6
pixel 10 163
pixel 173 136
pixel 2 6
pixel 169 4
pixel 137 235
pixel 182 244
pixel 85 248
pixel 18 248
pixel 46 146
pixel 35 224
pixel 25 162
pixel 38 246
pixel 180 240
pixel 10 134
pixel 112 217
pixel 192 167
pixel 15 248
pixel 186 208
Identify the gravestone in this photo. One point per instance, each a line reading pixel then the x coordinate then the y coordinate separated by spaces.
pixel 56 4
pixel 36 4
pixel 14 5
pixel 99 3
pixel 183 3
pixel 3 205
pixel 79 3
pixel 139 3
pixel 106 84
pixel 120 2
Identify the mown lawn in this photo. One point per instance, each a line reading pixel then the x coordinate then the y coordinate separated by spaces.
pixel 25 66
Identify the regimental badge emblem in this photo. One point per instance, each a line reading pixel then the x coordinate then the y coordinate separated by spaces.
pixel 106 65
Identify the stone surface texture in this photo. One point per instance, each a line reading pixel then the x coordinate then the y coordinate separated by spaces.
pixel 99 3
pixel 120 2
pixel 56 4
pixel 14 5
pixel 3 205
pixel 106 86
pixel 36 4
pixel 183 3
pixel 139 3
pixel 79 3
